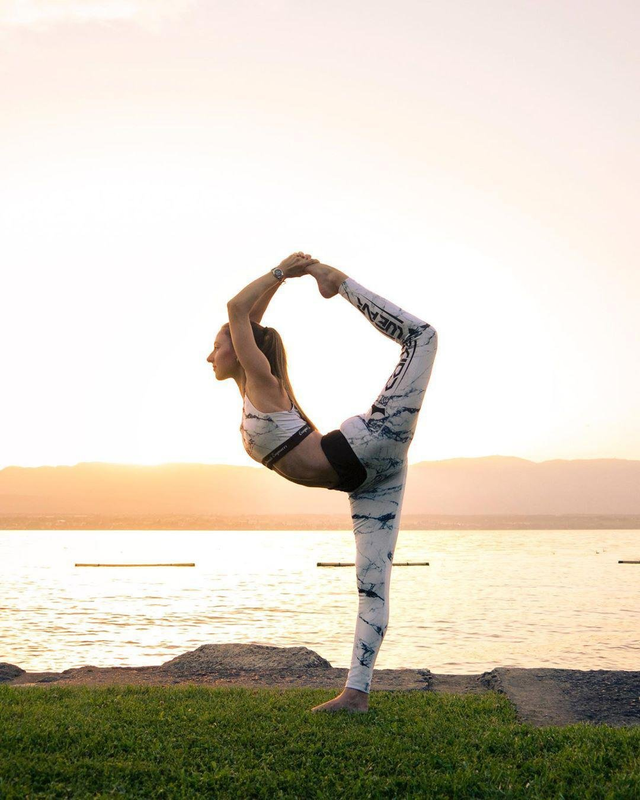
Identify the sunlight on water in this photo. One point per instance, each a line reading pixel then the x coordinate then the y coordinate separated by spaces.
pixel 488 598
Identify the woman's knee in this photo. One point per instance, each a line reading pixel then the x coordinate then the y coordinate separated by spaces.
pixel 420 331
pixel 430 332
pixel 428 337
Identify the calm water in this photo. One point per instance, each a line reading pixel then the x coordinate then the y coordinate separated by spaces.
pixel 503 598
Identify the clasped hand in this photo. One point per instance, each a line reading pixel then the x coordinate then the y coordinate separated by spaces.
pixel 295 265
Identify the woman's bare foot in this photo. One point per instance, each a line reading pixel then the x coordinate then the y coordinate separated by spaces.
pixel 328 278
pixel 350 700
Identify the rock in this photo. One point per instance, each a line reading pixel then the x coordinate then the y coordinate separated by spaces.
pixel 231 657
pixel 9 671
pixel 86 668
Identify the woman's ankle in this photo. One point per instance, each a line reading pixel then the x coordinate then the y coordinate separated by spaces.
pixel 329 278
pixel 337 276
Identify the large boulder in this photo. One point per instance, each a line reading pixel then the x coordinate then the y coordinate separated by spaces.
pixel 232 657
pixel 9 671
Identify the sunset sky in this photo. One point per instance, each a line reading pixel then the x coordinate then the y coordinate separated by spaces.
pixel 475 163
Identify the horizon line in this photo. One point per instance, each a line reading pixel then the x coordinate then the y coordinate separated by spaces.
pixel 248 466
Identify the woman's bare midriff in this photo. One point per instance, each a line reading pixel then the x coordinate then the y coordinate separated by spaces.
pixel 306 464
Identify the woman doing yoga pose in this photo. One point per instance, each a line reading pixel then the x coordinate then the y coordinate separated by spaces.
pixel 365 457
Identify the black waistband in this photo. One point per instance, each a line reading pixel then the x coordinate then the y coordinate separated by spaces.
pixel 345 462
pixel 282 449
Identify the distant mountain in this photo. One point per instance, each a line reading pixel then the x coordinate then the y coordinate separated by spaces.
pixel 491 485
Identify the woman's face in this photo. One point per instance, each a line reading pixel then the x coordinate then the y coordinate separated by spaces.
pixel 223 355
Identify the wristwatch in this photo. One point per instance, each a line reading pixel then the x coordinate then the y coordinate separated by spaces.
pixel 279 274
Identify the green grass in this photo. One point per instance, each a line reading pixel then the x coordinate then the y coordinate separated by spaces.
pixel 199 742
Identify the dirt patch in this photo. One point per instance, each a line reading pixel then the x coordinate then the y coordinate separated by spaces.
pixel 565 696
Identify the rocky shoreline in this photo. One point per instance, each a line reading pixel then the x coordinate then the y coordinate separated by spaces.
pixel 542 696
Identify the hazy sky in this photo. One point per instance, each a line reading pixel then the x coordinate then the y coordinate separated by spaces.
pixel 475 163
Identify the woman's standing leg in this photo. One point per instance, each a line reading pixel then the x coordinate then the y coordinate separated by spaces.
pixel 375 513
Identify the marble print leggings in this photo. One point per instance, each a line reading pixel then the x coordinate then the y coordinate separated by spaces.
pixel 380 439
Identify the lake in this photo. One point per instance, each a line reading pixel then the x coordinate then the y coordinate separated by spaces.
pixel 488 598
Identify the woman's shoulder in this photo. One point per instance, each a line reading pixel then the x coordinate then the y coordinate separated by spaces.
pixel 267 394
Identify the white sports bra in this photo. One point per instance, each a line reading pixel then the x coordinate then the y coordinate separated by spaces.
pixel 268 436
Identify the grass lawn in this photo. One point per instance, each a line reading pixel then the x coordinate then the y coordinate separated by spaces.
pixel 199 742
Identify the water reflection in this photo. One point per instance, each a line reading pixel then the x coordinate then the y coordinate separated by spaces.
pixel 503 598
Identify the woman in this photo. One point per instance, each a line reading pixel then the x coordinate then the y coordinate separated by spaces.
pixel 365 457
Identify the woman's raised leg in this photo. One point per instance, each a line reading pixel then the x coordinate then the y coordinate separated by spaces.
pixel 381 436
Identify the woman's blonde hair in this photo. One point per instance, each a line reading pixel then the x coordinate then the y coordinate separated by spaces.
pixel 270 343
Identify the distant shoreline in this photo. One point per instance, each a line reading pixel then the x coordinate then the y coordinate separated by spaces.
pixel 196 522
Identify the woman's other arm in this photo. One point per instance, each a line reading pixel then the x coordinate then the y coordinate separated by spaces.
pixel 260 306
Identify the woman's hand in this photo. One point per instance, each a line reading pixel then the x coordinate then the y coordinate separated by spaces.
pixel 295 265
